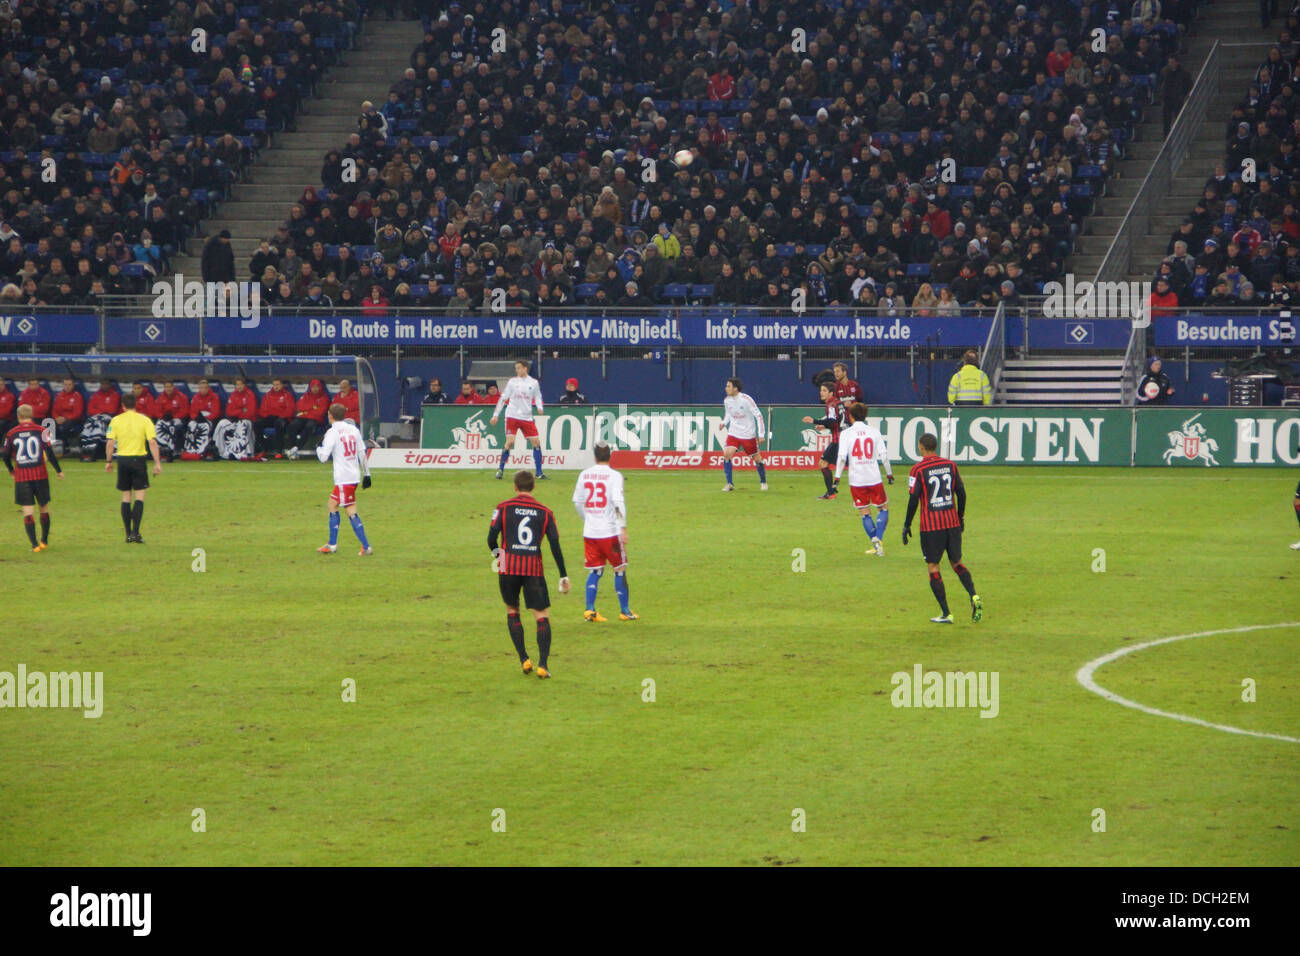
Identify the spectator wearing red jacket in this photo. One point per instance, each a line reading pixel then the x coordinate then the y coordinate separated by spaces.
pixel 939 219
pixel 468 394
pixel 721 85
pixel 205 412
pixel 8 406
pixel 375 303
pixel 350 399
pixel 69 411
pixel 242 404
pixel 105 401
pixel 1058 61
pixel 310 420
pixel 173 409
pixel 274 414
pixel 37 397
pixel 145 403
pixel 1164 301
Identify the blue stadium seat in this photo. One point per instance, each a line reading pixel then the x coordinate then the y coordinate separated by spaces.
pixel 674 291
pixel 586 290
pixel 919 269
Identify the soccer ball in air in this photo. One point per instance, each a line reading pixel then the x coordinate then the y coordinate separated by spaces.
pixel 683 157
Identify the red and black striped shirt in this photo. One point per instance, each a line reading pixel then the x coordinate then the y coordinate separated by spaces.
pixel 519 524
pixel 25 448
pixel 934 485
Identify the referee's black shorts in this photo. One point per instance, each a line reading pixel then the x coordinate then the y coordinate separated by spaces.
pixel 536 597
pixel 935 543
pixel 132 472
pixel 28 493
pixel 831 452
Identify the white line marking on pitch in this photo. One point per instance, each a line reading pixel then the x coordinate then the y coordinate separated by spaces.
pixel 1084 677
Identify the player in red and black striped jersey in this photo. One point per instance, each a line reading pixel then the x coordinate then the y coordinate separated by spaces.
pixel 25 450
pixel 846 390
pixel 515 538
pixel 831 421
pixel 935 487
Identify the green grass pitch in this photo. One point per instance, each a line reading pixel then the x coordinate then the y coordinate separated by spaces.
pixel 223 689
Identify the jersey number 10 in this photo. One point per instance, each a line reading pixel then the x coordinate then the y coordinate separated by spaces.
pixel 349 446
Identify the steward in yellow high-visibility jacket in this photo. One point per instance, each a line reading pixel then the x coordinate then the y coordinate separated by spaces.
pixel 970 386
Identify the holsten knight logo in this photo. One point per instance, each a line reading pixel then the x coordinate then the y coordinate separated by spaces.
pixel 196 300
pixel 1192 443
pixel 1098 300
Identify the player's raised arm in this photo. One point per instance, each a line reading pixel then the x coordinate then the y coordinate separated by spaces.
pixel 620 504
pixel 502 399
pixel 758 418
pixel 326 448
pixel 842 455
pixel 553 537
pixel 915 490
pixel 49 453
pixel 579 499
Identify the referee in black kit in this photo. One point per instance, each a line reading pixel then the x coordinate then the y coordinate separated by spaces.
pixel 130 436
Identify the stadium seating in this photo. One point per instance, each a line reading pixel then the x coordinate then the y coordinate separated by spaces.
pixel 121 124
pixel 1252 222
pixel 448 144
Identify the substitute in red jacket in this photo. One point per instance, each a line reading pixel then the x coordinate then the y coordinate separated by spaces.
pixel 173 410
pixel 310 419
pixel 274 414
pixel 350 399
pixel 104 401
pixel 205 412
pixel 8 406
pixel 145 403
pixel 69 411
pixel 242 404
pixel 37 397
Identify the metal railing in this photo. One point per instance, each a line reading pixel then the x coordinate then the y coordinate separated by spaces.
pixel 1135 361
pixel 995 348
pixel 1118 261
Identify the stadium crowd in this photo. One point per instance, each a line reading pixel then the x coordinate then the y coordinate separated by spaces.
pixel 1240 244
pixel 817 160
pixel 193 422
pixel 124 122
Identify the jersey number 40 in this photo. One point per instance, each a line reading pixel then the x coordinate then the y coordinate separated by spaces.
pixel 863 449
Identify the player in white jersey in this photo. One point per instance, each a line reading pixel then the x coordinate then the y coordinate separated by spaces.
pixel 598 497
pixel 343 444
pixel 743 424
pixel 518 398
pixel 862 447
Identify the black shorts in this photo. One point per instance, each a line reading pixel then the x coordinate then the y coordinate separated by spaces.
pixel 935 543
pixel 132 472
pixel 831 453
pixel 32 492
pixel 536 597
